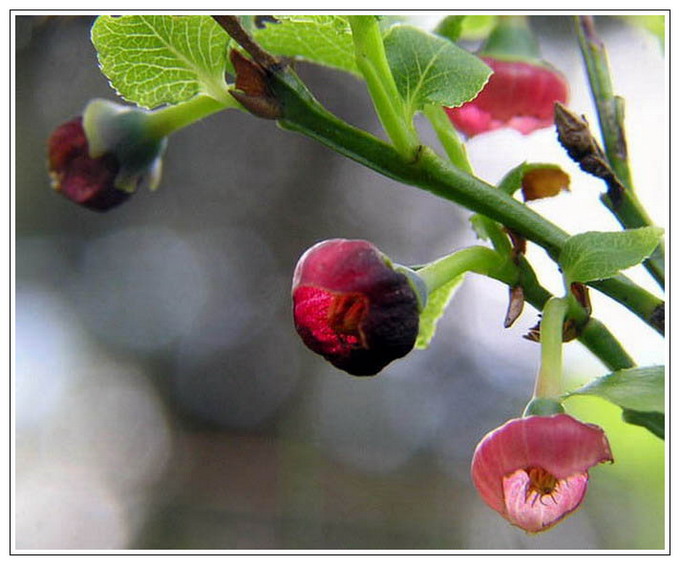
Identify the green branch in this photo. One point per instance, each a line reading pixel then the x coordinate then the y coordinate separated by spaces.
pixel 621 200
pixel 372 62
pixel 303 114
pixel 593 334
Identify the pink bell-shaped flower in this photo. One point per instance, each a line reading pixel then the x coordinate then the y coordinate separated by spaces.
pixel 534 471
pixel 522 90
pixel 519 95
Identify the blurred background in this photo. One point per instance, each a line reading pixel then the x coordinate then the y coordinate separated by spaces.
pixel 162 399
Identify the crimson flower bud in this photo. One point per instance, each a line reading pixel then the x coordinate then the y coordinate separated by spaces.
pixel 98 160
pixel 534 471
pixel 353 306
pixel 519 95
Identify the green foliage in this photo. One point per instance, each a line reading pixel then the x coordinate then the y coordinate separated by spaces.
pixel 451 27
pixel 640 388
pixel 512 181
pixel 429 69
pixel 466 27
pixel 592 256
pixel 437 302
pixel 326 40
pixel 155 60
pixel 638 391
pixel 478 27
pixel 653 421
pixel 654 24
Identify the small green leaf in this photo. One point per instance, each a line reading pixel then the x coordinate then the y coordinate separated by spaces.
pixel 155 60
pixel 326 40
pixel 479 225
pixel 653 421
pixel 594 256
pixel 654 24
pixel 451 27
pixel 478 27
pixel 640 389
pixel 429 69
pixel 512 181
pixel 437 302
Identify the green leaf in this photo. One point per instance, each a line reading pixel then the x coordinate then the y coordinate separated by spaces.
pixel 640 389
pixel 512 181
pixel 326 40
pixel 155 60
pixel 480 225
pixel 429 69
pixel 451 27
pixel 653 421
pixel 437 302
pixel 478 27
pixel 654 24
pixel 594 256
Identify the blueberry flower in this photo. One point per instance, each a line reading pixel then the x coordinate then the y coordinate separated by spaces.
pixel 100 159
pixel 533 471
pixel 353 306
pixel 522 90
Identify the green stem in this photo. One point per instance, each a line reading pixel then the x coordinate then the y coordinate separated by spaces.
pixel 167 120
pixel 595 336
pixel 372 62
pixel 477 259
pixel 448 137
pixel 608 109
pixel 512 39
pixel 549 379
pixel 624 204
pixel 597 339
pixel 641 302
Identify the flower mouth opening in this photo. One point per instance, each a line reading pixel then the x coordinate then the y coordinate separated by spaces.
pixel 331 323
pixel 541 484
pixel 535 499
pixel 345 314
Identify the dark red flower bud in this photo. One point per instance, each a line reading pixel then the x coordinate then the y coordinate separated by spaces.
pixel 351 306
pixel 519 95
pixel 79 177
pixel 98 160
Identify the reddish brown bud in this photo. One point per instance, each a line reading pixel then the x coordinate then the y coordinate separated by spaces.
pixel 79 177
pixel 515 306
pixel 252 90
pixel 351 306
pixel 100 159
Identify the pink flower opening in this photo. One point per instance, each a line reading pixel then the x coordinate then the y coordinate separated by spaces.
pixel 534 471
pixel 519 95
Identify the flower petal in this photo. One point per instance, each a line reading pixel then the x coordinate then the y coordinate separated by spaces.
pixel 519 95
pixel 536 513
